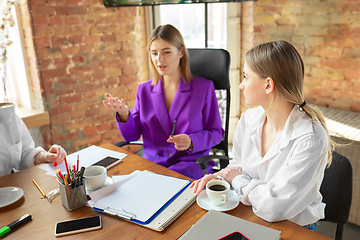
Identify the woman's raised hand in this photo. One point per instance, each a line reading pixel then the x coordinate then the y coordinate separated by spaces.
pixel 117 106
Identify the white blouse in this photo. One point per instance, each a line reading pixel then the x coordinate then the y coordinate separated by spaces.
pixel 285 183
pixel 17 148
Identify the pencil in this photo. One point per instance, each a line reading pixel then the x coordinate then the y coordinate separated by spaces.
pixel 38 187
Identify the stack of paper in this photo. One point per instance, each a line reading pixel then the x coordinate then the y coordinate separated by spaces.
pixel 143 196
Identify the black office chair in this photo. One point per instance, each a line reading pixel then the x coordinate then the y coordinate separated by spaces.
pixel 336 190
pixel 212 64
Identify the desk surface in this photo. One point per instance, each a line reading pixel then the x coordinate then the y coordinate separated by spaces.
pixel 46 214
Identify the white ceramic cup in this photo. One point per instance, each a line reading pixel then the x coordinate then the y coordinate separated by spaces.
pixel 7 110
pixel 95 177
pixel 218 191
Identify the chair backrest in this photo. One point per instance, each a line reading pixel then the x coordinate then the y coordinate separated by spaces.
pixel 214 65
pixel 336 189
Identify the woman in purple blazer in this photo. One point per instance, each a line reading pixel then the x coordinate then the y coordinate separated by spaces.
pixel 174 95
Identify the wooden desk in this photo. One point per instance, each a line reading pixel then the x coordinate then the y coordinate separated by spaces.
pixel 46 214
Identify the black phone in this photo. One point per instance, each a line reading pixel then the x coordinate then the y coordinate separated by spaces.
pixel 107 162
pixel 77 225
pixel 235 236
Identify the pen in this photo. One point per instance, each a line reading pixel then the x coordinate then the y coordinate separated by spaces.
pixel 173 128
pixel 14 224
pixel 77 163
pixel 38 187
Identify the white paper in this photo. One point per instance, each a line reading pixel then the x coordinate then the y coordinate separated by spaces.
pixel 87 156
pixel 143 195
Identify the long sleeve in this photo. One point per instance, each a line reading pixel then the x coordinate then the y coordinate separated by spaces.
pixel 294 187
pixel 285 183
pixel 131 130
pixel 17 148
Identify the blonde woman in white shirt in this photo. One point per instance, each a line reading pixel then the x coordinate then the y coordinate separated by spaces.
pixel 281 146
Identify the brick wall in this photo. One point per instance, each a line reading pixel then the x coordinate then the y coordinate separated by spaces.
pixel 327 35
pixel 78 50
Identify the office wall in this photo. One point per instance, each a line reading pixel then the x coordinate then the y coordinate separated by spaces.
pixel 327 35
pixel 78 50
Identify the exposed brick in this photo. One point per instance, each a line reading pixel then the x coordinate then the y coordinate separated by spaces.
pixel 73 2
pixel 72 20
pixel 87 141
pixel 55 21
pixel 71 10
pixel 338 84
pixel 78 125
pixel 108 38
pixel 52 73
pixel 357 87
pixel 104 127
pixel 76 39
pixel 61 62
pixel 42 10
pixel 58 41
pixel 92 39
pixel 42 42
pixel 90 131
pixel 40 20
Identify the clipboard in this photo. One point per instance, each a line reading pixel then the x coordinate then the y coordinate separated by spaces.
pixel 178 197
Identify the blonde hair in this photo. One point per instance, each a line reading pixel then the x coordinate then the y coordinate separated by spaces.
pixel 282 62
pixel 171 35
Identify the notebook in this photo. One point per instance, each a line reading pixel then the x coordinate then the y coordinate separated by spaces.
pixel 215 225
pixel 148 199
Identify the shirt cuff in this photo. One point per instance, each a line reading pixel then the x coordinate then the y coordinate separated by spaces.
pixel 239 182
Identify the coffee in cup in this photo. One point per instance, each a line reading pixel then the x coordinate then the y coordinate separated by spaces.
pixel 217 191
pixel 95 177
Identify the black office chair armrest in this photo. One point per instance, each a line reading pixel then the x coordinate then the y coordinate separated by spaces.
pixel 202 161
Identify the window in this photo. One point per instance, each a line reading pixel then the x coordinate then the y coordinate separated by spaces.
pixel 223 31
pixel 189 19
pixel 14 74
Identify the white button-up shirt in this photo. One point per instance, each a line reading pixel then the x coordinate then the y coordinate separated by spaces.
pixel 17 148
pixel 285 183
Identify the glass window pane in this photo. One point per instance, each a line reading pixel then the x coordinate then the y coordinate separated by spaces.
pixel 188 19
pixel 217 25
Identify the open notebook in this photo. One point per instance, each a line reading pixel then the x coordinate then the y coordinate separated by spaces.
pixel 143 197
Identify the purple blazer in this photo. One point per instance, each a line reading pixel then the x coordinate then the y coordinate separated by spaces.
pixel 196 112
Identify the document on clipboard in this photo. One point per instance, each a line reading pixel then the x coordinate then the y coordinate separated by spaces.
pixel 144 197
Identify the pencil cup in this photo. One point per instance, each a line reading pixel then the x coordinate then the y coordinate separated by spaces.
pixel 72 198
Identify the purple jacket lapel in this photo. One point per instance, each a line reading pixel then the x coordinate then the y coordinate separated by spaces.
pixel 180 99
pixel 158 100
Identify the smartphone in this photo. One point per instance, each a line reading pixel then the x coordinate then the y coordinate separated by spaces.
pixel 77 225
pixel 235 236
pixel 107 162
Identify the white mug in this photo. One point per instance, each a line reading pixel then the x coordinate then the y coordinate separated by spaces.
pixel 217 191
pixel 95 177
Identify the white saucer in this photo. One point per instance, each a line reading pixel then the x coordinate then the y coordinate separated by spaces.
pixel 9 195
pixel 204 202
pixel 108 182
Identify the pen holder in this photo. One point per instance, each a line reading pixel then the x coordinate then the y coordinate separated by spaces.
pixel 72 198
